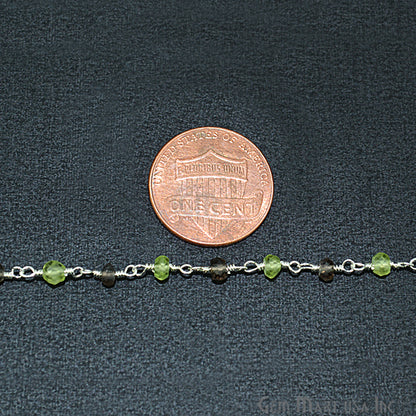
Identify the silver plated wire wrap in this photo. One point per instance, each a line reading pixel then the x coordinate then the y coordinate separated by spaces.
pixel 133 271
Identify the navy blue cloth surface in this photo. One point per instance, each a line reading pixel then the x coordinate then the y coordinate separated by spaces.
pixel 89 93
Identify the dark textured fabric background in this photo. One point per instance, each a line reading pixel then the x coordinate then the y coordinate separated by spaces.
pixel 89 93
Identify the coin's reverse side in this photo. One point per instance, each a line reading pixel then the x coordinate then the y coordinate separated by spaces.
pixel 211 186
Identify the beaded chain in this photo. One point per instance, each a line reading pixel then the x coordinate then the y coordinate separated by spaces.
pixel 54 272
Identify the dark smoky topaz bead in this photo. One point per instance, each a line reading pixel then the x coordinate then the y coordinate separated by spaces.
pixel 108 275
pixel 219 272
pixel 326 270
pixel 1 274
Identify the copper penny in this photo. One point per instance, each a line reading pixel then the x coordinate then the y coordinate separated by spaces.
pixel 211 186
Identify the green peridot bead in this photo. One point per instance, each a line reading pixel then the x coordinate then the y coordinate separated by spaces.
pixel 272 266
pixel 381 264
pixel 54 272
pixel 161 270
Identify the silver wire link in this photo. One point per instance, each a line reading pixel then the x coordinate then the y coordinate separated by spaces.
pixel 201 269
pixel 142 269
pixel 400 265
pixel 296 267
pixel 26 272
pixel 17 272
pixel 130 270
pixel 412 264
pixel 76 272
pixel 251 266
pixel 349 266
pixel 185 269
pixel 309 267
pixel 232 268
pixel 137 270
pixel 360 267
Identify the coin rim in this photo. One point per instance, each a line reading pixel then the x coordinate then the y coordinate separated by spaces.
pixel 187 239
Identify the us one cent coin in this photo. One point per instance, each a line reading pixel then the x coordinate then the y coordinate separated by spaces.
pixel 211 186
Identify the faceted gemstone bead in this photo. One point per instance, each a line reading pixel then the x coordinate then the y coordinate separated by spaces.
pixel 381 264
pixel 161 270
pixel 326 270
pixel 219 272
pixel 272 266
pixel 54 272
pixel 108 275
pixel 1 274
